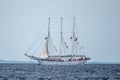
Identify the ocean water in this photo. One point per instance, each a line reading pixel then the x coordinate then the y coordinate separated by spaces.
pixel 9 71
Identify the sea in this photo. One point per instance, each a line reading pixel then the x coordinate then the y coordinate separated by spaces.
pixel 34 71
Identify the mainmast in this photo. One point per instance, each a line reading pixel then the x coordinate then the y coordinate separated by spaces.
pixel 61 37
pixel 73 36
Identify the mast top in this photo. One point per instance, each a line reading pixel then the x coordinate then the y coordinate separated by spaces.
pixel 48 26
pixel 73 26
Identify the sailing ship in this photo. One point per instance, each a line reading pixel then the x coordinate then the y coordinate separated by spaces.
pixel 46 57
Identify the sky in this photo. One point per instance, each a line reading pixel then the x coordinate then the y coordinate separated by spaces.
pixel 97 21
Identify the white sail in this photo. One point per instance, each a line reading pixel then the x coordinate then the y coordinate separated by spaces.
pixel 44 53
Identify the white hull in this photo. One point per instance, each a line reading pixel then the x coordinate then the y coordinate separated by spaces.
pixel 57 62
pixel 41 62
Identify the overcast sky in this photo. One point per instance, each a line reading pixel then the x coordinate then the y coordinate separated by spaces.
pixel 98 23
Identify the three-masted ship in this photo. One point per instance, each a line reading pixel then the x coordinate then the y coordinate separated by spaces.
pixel 46 57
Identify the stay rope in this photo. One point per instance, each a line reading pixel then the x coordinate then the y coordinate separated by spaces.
pixel 36 40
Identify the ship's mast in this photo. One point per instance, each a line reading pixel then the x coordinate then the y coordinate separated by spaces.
pixel 61 37
pixel 48 36
pixel 73 35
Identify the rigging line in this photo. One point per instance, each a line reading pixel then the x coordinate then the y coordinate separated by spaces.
pixel 54 45
pixel 37 48
pixel 34 42
pixel 38 41
pixel 79 47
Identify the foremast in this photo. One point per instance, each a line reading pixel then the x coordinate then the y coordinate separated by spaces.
pixel 45 51
pixel 48 39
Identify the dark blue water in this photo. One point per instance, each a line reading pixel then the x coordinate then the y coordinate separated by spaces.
pixel 73 72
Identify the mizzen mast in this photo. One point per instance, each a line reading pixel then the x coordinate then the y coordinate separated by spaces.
pixel 73 45
pixel 61 39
